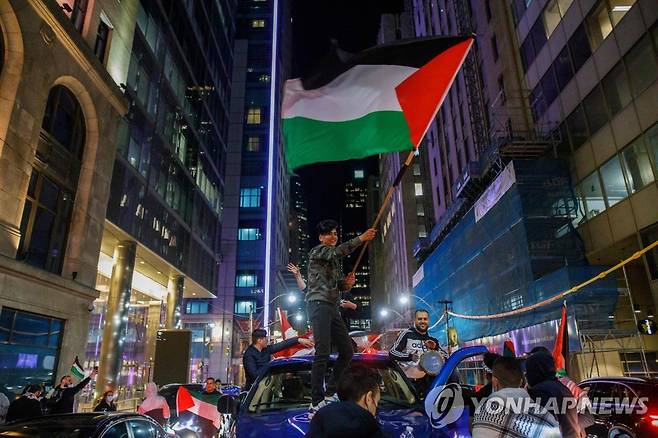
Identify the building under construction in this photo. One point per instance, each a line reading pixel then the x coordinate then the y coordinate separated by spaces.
pixel 542 167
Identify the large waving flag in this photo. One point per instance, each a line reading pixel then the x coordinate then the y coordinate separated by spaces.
pixel 289 332
pixel 380 100
pixel 203 405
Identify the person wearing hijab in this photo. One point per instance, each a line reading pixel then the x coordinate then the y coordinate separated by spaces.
pixel 154 405
pixel 106 403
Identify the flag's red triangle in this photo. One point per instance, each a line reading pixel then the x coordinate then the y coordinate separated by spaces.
pixel 421 94
pixel 561 342
pixel 184 400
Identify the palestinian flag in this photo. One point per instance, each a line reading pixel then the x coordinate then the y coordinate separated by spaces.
pixel 77 370
pixel 561 347
pixel 289 332
pixel 508 348
pixel 380 100
pixel 202 405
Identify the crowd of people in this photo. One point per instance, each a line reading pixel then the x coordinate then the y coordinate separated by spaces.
pixel 352 393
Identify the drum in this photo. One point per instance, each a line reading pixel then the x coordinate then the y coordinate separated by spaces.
pixel 431 362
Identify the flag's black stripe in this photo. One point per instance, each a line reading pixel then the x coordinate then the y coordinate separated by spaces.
pixel 412 53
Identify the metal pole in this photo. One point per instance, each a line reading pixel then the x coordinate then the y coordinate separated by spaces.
pixel 203 351
pixel 446 316
pixel 642 348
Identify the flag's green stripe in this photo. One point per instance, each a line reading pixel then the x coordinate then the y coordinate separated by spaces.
pixel 77 373
pixel 313 141
pixel 208 398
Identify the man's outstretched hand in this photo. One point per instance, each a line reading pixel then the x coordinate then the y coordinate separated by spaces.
pixel 368 235
pixel 306 342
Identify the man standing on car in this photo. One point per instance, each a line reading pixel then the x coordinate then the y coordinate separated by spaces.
pixel 410 346
pixel 325 282
pixel 259 353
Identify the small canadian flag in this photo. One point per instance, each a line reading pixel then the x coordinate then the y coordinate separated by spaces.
pixel 289 332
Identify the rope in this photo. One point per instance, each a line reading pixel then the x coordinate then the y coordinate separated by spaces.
pixel 563 294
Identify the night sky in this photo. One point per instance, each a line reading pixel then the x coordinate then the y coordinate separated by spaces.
pixel 354 25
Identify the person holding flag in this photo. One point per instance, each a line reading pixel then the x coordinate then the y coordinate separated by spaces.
pixel 325 283
pixel 259 353
pixel 62 397
pixel 354 106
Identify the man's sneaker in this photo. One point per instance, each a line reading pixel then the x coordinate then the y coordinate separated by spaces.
pixel 331 399
pixel 313 409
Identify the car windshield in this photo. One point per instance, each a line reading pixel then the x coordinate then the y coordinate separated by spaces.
pixel 289 387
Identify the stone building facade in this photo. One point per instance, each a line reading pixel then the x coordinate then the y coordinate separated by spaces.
pixel 59 111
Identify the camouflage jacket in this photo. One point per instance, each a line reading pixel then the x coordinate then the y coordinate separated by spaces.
pixel 325 276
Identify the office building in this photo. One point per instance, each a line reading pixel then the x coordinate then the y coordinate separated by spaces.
pixel 61 107
pixel 255 238
pixel 160 240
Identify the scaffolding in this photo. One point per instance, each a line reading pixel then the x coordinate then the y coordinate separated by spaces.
pixel 622 338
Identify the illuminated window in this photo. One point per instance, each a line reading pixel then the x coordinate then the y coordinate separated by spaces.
pixel 253 116
pixel 244 306
pixel 249 234
pixel 247 279
pixel 264 78
pixel 196 306
pixel 257 24
pixel 250 197
pixel 358 174
pixel 418 187
pixel 253 144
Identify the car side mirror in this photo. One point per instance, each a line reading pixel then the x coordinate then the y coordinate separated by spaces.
pixel 228 404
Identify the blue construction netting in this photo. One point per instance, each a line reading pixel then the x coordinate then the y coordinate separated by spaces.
pixel 522 251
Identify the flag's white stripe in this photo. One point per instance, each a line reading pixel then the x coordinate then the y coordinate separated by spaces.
pixel 289 333
pixel 362 90
pixel 206 410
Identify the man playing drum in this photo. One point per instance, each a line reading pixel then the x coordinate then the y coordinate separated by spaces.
pixel 411 345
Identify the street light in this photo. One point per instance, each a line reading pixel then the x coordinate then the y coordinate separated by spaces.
pixel 292 298
pixel 404 299
pixel 299 317
pixel 384 313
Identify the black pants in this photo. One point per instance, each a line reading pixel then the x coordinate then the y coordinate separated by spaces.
pixel 328 327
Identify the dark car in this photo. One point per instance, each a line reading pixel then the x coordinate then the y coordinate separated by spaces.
pixel 617 418
pixel 277 404
pixel 88 425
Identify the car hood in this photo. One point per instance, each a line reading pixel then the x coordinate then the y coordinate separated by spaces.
pixel 294 423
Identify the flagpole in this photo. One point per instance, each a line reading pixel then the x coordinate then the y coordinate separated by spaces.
pixel 387 199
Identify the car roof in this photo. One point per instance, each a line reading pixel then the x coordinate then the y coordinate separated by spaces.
pixel 620 379
pixel 358 357
pixel 87 419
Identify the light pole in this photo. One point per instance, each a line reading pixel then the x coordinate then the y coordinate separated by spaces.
pixel 204 368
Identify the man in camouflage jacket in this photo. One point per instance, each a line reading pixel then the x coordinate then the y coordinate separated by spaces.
pixel 325 282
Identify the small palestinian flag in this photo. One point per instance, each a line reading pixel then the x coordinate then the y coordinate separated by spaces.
pixel 77 370
pixel 288 333
pixel 561 347
pixel 380 100
pixel 202 405
pixel 508 349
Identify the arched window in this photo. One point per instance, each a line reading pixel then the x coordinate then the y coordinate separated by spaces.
pixel 63 120
pixel 53 183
